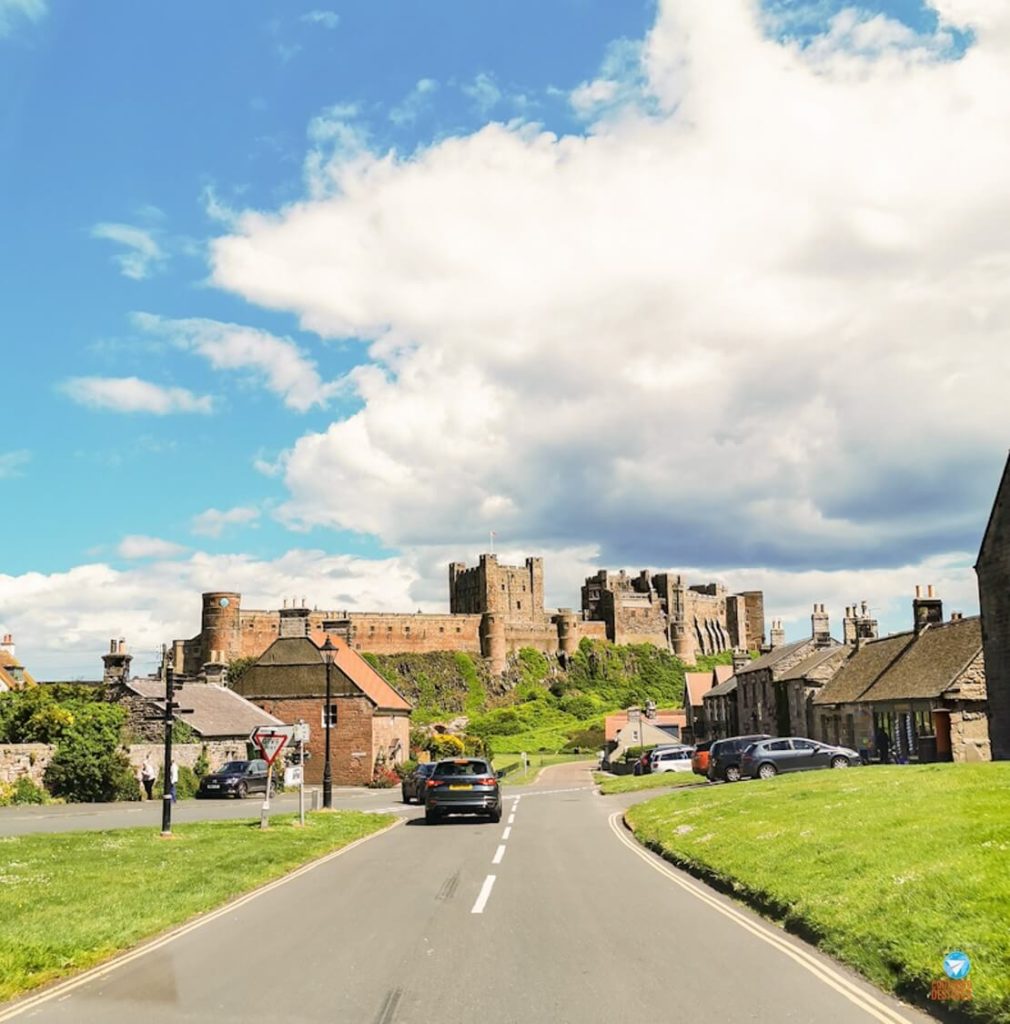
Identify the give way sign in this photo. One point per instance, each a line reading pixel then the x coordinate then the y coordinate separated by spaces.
pixel 270 742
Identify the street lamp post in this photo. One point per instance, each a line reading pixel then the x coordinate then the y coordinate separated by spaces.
pixel 328 650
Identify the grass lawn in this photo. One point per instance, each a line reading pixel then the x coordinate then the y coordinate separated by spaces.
pixel 888 867
pixel 70 900
pixel 536 763
pixel 633 783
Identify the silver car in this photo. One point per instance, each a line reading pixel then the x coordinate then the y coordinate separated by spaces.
pixel 767 758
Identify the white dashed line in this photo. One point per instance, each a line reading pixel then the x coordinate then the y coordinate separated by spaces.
pixel 483 895
pixel 507 832
pixel 498 854
pixel 512 819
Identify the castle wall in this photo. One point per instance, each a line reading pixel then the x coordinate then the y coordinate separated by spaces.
pixel 381 633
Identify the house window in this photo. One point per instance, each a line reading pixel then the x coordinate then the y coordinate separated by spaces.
pixel 331 723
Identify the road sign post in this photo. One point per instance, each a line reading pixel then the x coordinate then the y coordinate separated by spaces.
pixel 271 740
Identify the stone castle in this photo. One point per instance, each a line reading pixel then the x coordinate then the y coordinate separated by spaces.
pixel 494 610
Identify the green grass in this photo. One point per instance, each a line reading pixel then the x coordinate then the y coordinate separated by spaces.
pixel 537 762
pixel 888 868
pixel 610 784
pixel 70 900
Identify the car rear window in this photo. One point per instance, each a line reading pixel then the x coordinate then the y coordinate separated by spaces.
pixel 461 767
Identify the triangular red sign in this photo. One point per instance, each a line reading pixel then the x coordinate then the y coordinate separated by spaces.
pixel 270 743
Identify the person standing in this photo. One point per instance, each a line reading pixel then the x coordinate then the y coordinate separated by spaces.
pixel 147 776
pixel 174 779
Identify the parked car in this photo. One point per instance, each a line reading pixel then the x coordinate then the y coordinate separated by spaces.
pixel 793 754
pixel 236 778
pixel 699 760
pixel 412 786
pixel 724 757
pixel 462 785
pixel 671 759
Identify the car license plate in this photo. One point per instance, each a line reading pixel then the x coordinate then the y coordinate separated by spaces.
pixel 461 787
pixel 213 785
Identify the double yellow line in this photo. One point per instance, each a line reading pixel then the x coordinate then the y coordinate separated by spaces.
pixel 833 979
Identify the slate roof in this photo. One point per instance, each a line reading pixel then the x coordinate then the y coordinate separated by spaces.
pixel 997 514
pixel 815 661
pixel 217 711
pixel 723 689
pixel 862 670
pixel 930 664
pixel 773 657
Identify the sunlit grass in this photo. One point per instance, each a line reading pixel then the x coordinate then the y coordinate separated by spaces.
pixel 888 867
pixel 610 784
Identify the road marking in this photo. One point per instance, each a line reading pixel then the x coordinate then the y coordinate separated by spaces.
pixel 832 978
pixel 512 819
pixel 498 854
pixel 483 895
pixel 64 988
pixel 507 832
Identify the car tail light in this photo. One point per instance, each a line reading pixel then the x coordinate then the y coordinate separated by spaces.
pixel 489 781
pixel 432 783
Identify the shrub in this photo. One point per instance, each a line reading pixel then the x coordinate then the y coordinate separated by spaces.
pixel 445 745
pixel 579 706
pixel 26 792
pixel 187 785
pixel 202 766
pixel 384 778
pixel 404 768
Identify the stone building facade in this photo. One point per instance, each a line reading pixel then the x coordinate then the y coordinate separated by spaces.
pixel 993 571
pixel 495 609
pixel 662 609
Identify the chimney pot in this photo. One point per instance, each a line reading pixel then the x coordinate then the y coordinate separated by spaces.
pixel 930 592
pixel 918 590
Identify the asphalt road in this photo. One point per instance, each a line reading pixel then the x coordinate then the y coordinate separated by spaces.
pixel 550 917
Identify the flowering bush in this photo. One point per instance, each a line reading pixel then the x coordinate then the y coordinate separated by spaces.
pixel 384 778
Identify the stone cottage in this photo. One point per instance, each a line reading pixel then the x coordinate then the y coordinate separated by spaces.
pixel 369 718
pixel 13 675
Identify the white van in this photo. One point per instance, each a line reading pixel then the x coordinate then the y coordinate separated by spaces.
pixel 671 759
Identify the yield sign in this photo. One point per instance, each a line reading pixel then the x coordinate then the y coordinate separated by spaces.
pixel 270 743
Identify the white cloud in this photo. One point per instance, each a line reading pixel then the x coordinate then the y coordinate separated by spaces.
pixel 484 91
pixel 414 103
pixel 136 546
pixel 730 326
pixel 327 19
pixel 13 11
pixel 130 394
pixel 11 463
pixel 213 522
pixel 143 255
pixel 279 363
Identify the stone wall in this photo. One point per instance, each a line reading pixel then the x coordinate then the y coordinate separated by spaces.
pixel 969 734
pixel 24 759
pixel 380 633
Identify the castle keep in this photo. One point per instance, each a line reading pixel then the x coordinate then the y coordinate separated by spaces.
pixel 494 610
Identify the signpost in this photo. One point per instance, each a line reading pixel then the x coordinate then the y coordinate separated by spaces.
pixel 271 740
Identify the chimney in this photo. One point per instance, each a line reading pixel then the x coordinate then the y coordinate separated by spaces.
pixel 956 616
pixel 776 635
pixel 859 625
pixel 8 644
pixel 117 664
pixel 741 659
pixel 820 628
pixel 926 611
pixel 294 622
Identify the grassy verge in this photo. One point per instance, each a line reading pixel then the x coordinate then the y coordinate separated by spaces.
pixel 68 901
pixel 887 868
pixel 537 762
pixel 610 784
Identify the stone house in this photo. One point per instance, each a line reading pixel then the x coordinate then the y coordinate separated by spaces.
pixel 696 686
pixel 370 720
pixel 796 688
pixel 993 571
pixel 761 706
pixel 925 689
pixel 721 716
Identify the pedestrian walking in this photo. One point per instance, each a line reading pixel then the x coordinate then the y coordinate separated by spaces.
pixel 174 779
pixel 148 773
pixel 883 743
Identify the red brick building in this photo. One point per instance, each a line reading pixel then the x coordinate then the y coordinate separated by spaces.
pixel 369 718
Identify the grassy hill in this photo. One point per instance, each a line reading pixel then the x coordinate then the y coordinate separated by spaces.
pixel 539 704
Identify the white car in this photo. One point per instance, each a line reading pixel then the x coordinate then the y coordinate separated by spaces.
pixel 671 759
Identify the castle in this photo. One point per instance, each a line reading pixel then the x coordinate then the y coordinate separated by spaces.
pixel 494 610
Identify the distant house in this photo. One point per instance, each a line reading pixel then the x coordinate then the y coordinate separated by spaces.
pixel 369 718
pixel 923 692
pixel 720 712
pixel 13 675
pixel 635 728
pixel 696 686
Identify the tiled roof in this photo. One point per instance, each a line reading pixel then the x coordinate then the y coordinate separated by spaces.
pixel 381 693
pixel 614 723
pixel 930 664
pixel 722 673
pixel 697 684
pixel 8 662
pixel 216 711
pixel 863 669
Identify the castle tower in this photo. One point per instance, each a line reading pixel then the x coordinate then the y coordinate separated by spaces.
pixel 219 635
pixel 568 631
pixel 492 641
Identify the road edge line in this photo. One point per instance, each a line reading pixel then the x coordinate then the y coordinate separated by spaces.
pixel 61 988
pixel 866 1001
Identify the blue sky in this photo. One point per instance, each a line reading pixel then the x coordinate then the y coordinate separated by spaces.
pixel 283 307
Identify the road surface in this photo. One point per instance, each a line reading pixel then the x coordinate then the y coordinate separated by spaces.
pixel 550 917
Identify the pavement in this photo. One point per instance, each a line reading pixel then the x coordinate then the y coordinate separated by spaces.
pixel 552 916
